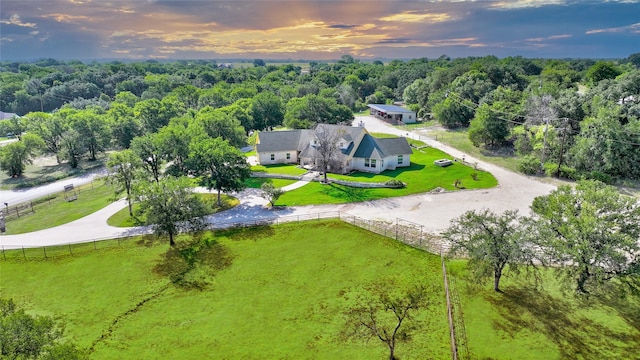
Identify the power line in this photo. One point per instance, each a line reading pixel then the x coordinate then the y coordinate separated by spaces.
pixel 464 102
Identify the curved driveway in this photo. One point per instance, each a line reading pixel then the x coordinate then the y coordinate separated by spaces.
pixel 433 211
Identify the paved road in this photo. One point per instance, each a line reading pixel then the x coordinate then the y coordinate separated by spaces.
pixel 433 211
pixel 22 195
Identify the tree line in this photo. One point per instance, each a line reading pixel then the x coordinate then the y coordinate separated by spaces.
pixel 568 118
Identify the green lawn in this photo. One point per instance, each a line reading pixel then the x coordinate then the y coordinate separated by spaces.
pixel 422 176
pixel 54 210
pixel 527 323
pixel 459 139
pixel 123 219
pixel 283 169
pixel 260 293
pixel 256 182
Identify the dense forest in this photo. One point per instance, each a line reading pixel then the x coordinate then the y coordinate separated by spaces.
pixel 569 118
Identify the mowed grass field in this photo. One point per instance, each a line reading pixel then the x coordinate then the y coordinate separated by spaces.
pixel 280 292
pixel 262 293
pixel 545 322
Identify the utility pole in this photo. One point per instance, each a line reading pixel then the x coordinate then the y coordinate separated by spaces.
pixel 564 136
pixel 544 142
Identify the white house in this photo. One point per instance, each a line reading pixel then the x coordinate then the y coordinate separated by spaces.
pixel 357 149
pixel 392 113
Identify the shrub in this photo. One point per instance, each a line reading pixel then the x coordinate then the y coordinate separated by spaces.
pixel 529 165
pixel 395 183
pixel 600 176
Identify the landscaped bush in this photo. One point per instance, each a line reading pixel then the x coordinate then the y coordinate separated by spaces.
pixel 395 183
pixel 529 165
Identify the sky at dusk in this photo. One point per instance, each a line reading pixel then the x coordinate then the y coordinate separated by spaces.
pixel 316 29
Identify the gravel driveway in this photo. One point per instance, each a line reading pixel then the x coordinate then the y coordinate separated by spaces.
pixel 433 211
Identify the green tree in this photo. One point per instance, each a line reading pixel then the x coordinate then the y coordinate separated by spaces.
pixel 218 123
pixel 600 71
pixel 50 128
pixel 171 207
pixel 453 112
pixel 16 155
pixel 174 140
pixel 72 147
pixel 15 125
pixel 124 169
pixel 605 146
pixel 491 242
pixel 385 311
pixel 314 109
pixel 93 129
pixel 270 192
pixel 267 111
pixel 124 125
pixel 488 127
pixel 23 336
pixel 149 149
pixel 219 165
pixel 591 232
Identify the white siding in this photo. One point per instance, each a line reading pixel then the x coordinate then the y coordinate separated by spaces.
pixel 409 118
pixel 264 158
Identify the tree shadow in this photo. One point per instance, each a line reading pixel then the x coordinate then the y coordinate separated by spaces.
pixel 576 336
pixel 193 264
pixel 348 193
pixel 50 169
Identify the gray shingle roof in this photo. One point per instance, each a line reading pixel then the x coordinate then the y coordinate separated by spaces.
pixel 386 147
pixel 290 140
pixel 278 140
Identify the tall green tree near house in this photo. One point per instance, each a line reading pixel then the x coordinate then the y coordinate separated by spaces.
pixel 219 165
pixel 267 111
pixel 218 123
pixel 171 207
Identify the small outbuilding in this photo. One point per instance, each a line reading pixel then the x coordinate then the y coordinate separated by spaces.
pixel 392 113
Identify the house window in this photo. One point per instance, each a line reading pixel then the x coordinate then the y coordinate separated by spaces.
pixel 400 159
pixel 373 163
pixel 366 162
pixel 288 156
pixel 273 157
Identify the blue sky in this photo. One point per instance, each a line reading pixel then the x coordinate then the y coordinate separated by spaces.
pixel 317 29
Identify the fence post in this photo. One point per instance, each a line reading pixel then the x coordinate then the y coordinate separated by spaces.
pixel 23 254
pixel 396 229
pixel 44 249
pixel 3 254
pixel 70 252
pixel 452 333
